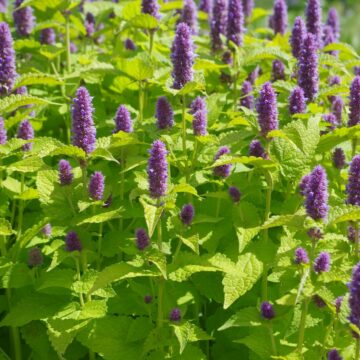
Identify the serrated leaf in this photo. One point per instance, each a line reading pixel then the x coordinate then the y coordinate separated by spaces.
pixel 5 227
pixel 152 215
pixel 12 102
pixel 192 242
pixel 338 214
pixel 69 150
pixel 101 217
pixel 27 165
pixel 184 188
pixel 62 278
pixel 249 316
pixel 37 78
pixel 144 21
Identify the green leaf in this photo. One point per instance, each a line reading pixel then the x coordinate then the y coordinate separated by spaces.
pixel 152 215
pixel 159 259
pixel 27 165
pixel 188 332
pixel 192 242
pixel 184 188
pixel 103 154
pixel 101 217
pixel 138 68
pixel 241 278
pixel 12 102
pixel 144 21
pixel 296 220
pixel 245 235
pixel 249 316
pixel 5 227
pixel 37 78
pixel 45 180
pixel 69 150
pixel 338 214
pixel 62 278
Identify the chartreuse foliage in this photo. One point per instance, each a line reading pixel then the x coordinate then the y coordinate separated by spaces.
pixel 112 301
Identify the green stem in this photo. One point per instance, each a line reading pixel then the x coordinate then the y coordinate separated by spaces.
pixel 77 263
pixel 122 185
pixel 84 179
pixel 151 41
pixel 357 349
pixel 67 44
pixel 99 245
pixel 177 250
pixel 302 326
pixel 183 133
pixel 273 342
pixel 21 208
pixel 141 103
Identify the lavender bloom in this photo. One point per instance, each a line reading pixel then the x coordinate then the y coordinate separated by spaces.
pixel 96 186
pixel 7 60
pixel 175 315
pixel 334 80
pixel 26 132
pixel 354 299
pixel 35 257
pixel 247 98
pixel 338 158
pixel 328 38
pixel 235 22
pixel 217 24
pixel 150 7
pixel 222 170
pixel 148 299
pixel 205 6
pixel 90 24
pixel 248 6
pixel 164 113
pixel 83 129
pixel 313 20
pixel 23 19
pixel 267 310
pixel 73 48
pixel 280 17
pixel 129 45
pixel 322 263
pixel 333 22
pixel 334 355
pixel 198 104
pixel 308 68
pixel 123 120
pixel 65 173
pixel 304 182
pixel 317 194
pixel 297 104
pixel 297 36
pixel 234 194
pixel 46 230
pixel 337 107
pixel 189 15
pixel 142 239
pixel 319 302
pixel 48 36
pixel 157 170
pixel 338 302
pixel 3 133
pixel 331 119
pixel 187 214
pixel 357 70
pixel 267 109
pixel 199 111
pixel 254 74
pixel 301 256
pixel 278 70
pixel 72 242
pixel 353 186
pixel 257 150
pixel 351 233
pixel 3 6
pixel 182 56
pixel 315 234
pixel 354 105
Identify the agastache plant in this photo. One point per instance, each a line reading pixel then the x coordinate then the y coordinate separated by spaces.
pixel 334 22
pixel 48 36
pixel 26 132
pixel 189 15
pixel 164 113
pixel 297 36
pixel 7 60
pixel 313 20
pixel 247 97
pixel 217 24
pixel 248 7
pixel 23 18
pixel 280 17
pixel 3 132
pixel 354 104
pixel 297 104
pixel 123 120
pixel 235 22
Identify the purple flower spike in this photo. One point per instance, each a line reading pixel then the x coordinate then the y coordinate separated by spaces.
pixel 334 80
pixel 315 234
pixel 97 185
pixel 25 132
pixel 65 173
pixel 337 108
pixel 297 36
pixel 267 109
pixel 278 70
pixel 234 194
pixel 199 111
pixel 3 6
pixel 197 105
pixel 331 119
pixel 7 60
pixel 182 56
pixel 354 105
pixel 338 158
pixel 334 355
pixel 354 299
pixel 205 6
pixel 247 98
pixel 3 133
pixel 217 24
pixel 313 20
pixel 187 214
pixel 175 315
pixel 280 17
pixel 83 128
pixel 235 22
pixel 72 242
pixel 328 38
pixel 317 194
pixel 301 256
pixel 254 74
pixel 337 303
pixel 73 48
pixel 35 257
pixel 123 120
pixel 189 15
pixel 322 263
pixel 297 104
pixel 23 19
pixel 46 230
pixel 48 36
pixel 129 45
pixel 90 25
pixel 248 6
pixel 151 7
pixel 308 68
pixel 304 182
pixel 222 170
pixel 257 150
pixel 142 239
pixel 353 186
pixel 164 113
pixel 351 233
pixel 334 22
pixel 157 170
pixel 267 310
